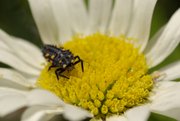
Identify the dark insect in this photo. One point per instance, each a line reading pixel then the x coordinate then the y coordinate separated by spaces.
pixel 61 58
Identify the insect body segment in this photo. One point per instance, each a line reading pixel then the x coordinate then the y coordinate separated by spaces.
pixel 60 58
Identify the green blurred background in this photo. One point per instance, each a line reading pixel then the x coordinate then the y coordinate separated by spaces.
pixel 16 19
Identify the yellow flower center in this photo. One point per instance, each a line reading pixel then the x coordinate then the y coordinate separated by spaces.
pixel 114 79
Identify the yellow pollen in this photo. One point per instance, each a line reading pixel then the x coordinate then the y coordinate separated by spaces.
pixel 114 79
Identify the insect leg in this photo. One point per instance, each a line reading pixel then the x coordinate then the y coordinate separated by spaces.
pixel 52 66
pixel 58 73
pixel 64 76
pixel 79 60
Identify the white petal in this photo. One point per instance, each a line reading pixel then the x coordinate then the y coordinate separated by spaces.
pixel 28 52
pixel 154 39
pixel 45 20
pixel 62 15
pixel 13 76
pixel 117 118
pixel 31 79
pixel 9 91
pixel 78 14
pixel 43 97
pixel 166 100
pixel 10 103
pixel 163 85
pixel 141 22
pixel 166 43
pixel 75 113
pixel 99 14
pixel 39 113
pixel 120 17
pixel 3 46
pixel 105 15
pixel 11 84
pixel 171 71
pixel 12 60
pixel 140 113
pixel 161 88
pixel 22 48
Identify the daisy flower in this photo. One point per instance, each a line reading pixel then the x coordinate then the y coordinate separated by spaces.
pixel 112 39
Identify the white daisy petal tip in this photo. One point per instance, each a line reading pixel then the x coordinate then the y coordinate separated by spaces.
pixel 75 113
